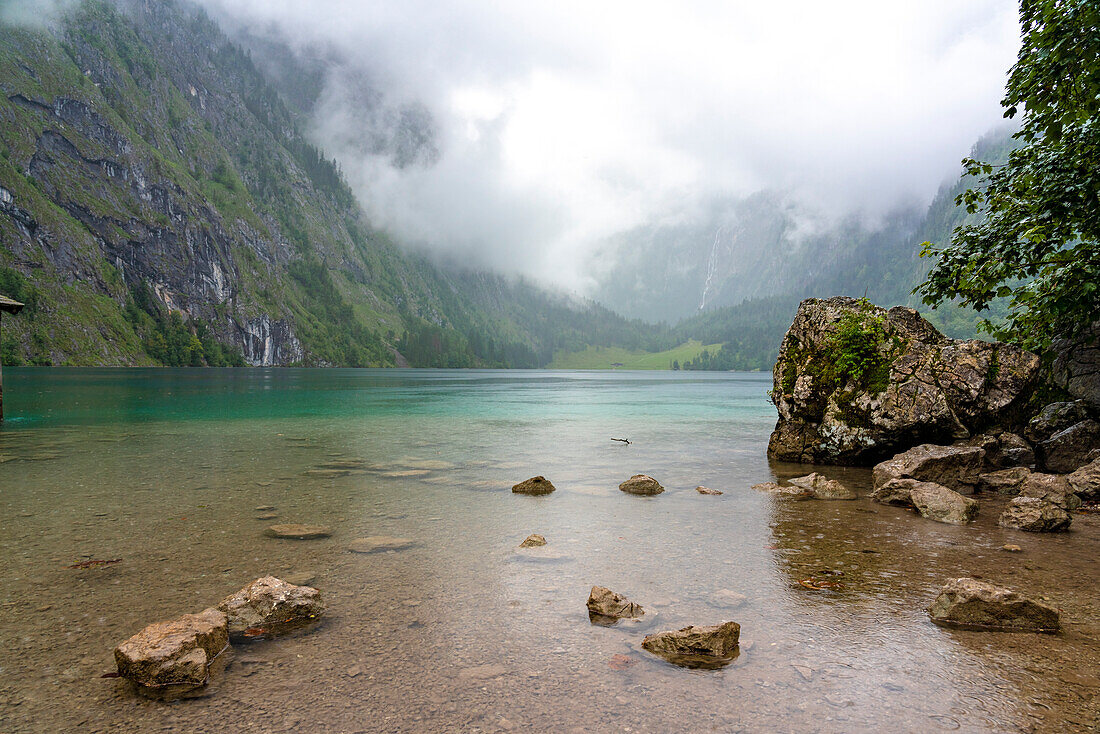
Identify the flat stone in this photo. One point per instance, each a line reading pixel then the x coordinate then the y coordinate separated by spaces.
pixel 642 484
pixel 487 671
pixel 728 598
pixel 534 486
pixel 173 659
pixel 823 488
pixel 300 578
pixel 267 516
pixel 968 603
pixel 707 490
pixel 294 531
pixel 1011 548
pixel 954 467
pixel 379 544
pixel 696 647
pixel 533 541
pixel 778 489
pixel 270 607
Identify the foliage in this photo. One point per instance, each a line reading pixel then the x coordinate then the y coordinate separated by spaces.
pixel 1039 242
pixel 170 340
pixel 856 351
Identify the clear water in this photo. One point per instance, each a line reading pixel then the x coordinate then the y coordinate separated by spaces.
pixel 164 469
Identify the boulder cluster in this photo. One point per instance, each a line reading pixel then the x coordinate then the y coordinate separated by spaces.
pixel 179 658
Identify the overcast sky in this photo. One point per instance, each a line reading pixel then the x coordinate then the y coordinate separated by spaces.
pixel 563 122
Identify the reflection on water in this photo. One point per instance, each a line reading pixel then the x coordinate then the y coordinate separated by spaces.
pixel 179 472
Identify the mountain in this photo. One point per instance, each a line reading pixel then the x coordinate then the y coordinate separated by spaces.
pixel 160 204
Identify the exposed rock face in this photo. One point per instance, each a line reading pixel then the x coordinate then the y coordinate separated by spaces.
pixel 955 467
pixel 823 488
pixel 533 541
pixel 1004 481
pixel 941 504
pixel 1053 418
pixel 1070 448
pixel 173 659
pixel 1052 488
pixel 642 484
pixel 921 386
pixel 972 604
pixel 1086 481
pixel 1035 516
pixel 696 647
pixel 295 531
pixel 534 485
pixel 270 607
pixel 607 607
pixel 1077 367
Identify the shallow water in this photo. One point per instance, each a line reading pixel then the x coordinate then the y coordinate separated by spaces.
pixel 164 469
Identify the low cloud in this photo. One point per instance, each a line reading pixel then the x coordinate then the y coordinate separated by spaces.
pixel 556 125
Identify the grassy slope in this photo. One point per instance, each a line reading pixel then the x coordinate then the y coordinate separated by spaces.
pixel 601 358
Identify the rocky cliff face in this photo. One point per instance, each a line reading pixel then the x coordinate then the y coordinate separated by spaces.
pixel 855 383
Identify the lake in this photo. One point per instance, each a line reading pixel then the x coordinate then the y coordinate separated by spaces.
pixel 165 469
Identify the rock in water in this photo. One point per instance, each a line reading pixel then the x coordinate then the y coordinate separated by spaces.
pixel 798 493
pixel 823 488
pixel 696 647
pixel 1085 482
pixel 897 492
pixel 298 532
pixel 271 607
pixel 173 659
pixel 1035 516
pixel 954 467
pixel 972 604
pixel 919 385
pixel 534 485
pixel 642 484
pixel 941 504
pixel 533 541
pixel 1052 488
pixel 707 490
pixel 606 607
pixel 379 544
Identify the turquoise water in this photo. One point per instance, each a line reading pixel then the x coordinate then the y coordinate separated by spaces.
pixel 165 469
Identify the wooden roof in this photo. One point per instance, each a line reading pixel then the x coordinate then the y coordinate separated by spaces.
pixel 7 304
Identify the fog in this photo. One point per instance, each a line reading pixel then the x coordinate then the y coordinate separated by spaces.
pixel 557 124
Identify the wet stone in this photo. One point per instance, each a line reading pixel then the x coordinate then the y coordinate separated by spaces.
pixel 534 486
pixel 606 607
pixel 294 531
pixel 269 607
pixel 1035 515
pixel 380 544
pixel 533 541
pixel 707 490
pixel 969 603
pixel 174 659
pixel 642 484
pixel 697 647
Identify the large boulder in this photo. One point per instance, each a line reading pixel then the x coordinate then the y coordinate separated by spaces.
pixel 823 488
pixel 534 485
pixel 269 607
pixel 1004 481
pixel 607 607
pixel 972 604
pixel 174 659
pixel 1085 482
pixel 696 647
pixel 1076 367
pixel 1053 418
pixel 941 504
pixel 1053 488
pixel 855 383
pixel 642 484
pixel 954 467
pixel 1069 449
pixel 1035 516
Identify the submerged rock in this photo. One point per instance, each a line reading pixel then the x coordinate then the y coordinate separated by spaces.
pixel 534 485
pixel 607 607
pixel 296 531
pixel 174 659
pixel 707 490
pixel 271 607
pixel 972 604
pixel 920 386
pixel 941 504
pixel 642 484
pixel 533 541
pixel 1035 516
pixel 696 647
pixel 823 488
pixel 954 467
pixel 380 544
